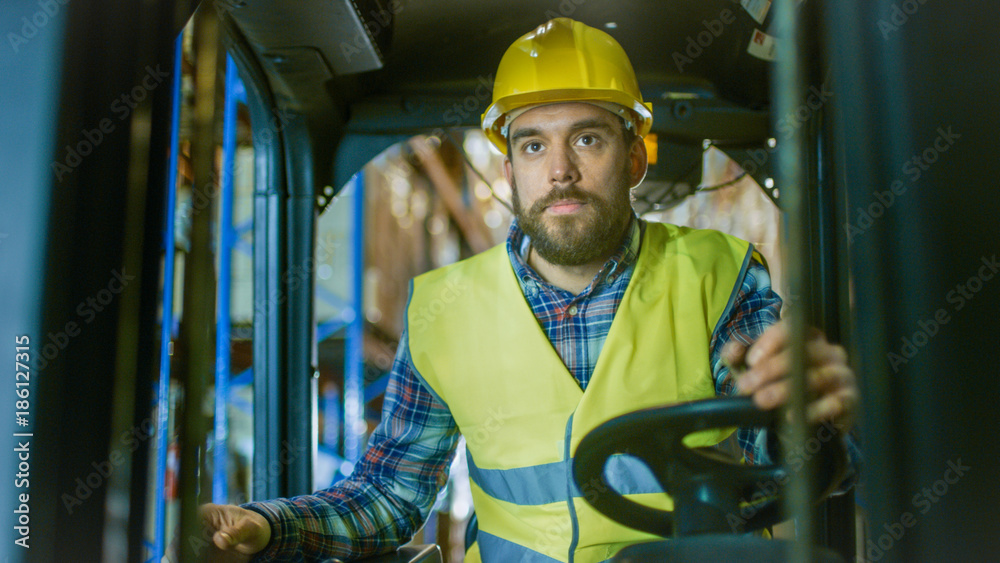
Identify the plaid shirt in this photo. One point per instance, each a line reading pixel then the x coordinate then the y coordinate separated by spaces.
pixel 393 487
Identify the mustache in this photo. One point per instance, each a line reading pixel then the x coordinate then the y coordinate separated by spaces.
pixel 569 192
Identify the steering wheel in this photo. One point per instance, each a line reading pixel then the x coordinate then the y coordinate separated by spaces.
pixel 707 486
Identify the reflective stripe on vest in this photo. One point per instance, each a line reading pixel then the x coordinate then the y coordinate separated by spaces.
pixel 478 347
pixel 544 484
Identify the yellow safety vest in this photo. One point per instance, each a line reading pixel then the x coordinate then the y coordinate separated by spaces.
pixel 478 347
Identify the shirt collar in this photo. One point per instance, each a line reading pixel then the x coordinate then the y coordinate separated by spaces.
pixel 519 243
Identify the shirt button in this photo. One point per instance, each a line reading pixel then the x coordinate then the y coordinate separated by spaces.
pixel 572 310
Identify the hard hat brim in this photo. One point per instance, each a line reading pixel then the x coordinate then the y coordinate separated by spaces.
pixel 494 118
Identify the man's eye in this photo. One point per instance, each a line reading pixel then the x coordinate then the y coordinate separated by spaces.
pixel 587 140
pixel 533 146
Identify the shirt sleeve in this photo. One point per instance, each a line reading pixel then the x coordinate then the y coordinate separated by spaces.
pixel 391 491
pixel 755 308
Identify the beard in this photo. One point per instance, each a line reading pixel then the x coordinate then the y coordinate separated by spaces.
pixel 580 238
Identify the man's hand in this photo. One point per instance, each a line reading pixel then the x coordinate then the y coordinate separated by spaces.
pixel 237 533
pixel 830 380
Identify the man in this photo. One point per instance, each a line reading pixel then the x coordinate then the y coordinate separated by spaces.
pixel 586 313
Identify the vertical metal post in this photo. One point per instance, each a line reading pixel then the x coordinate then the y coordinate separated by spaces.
pixel 917 120
pixel 298 445
pixel 835 524
pixel 268 328
pixel 227 234
pixel 788 81
pixel 167 326
pixel 354 393
pixel 196 338
pixel 269 299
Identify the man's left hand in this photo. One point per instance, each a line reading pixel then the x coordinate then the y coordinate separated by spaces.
pixel 831 383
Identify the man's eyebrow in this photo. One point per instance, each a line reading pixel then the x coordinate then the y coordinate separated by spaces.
pixel 525 132
pixel 591 123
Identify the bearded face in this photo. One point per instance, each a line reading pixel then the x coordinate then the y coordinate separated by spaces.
pixel 578 238
pixel 571 166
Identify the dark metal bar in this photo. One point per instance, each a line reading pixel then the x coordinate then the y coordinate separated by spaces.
pixel 268 255
pixel 919 126
pixel 299 375
pixel 94 309
pixel 836 515
pixel 268 330
pixel 788 80
pixel 853 46
pixel 165 18
pixel 196 338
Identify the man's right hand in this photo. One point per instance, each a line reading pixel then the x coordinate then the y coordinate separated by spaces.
pixel 237 533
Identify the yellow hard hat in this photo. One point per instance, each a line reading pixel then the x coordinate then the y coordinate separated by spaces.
pixel 564 61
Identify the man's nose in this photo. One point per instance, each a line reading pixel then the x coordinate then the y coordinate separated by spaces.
pixel 562 166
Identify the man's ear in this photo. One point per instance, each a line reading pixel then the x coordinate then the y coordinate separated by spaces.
pixel 508 170
pixel 638 162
